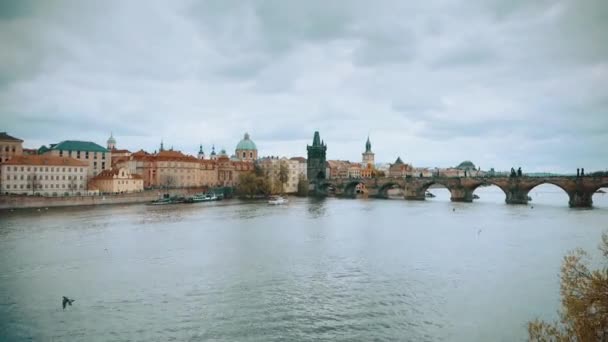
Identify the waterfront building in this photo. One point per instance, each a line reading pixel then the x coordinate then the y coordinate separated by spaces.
pixel 316 168
pixel 230 170
pixel 117 154
pixel 354 170
pixel 295 168
pixel 97 157
pixel 246 149
pixel 400 169
pixel 301 167
pixel 45 175
pixel 9 147
pixel 117 180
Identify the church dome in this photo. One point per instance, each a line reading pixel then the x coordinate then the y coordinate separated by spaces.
pixel 466 165
pixel 111 140
pixel 246 144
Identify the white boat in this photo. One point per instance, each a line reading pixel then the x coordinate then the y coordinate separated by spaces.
pixel 276 200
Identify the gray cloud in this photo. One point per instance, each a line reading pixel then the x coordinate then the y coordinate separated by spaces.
pixel 498 82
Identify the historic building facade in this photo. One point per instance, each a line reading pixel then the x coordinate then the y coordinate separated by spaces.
pixel 400 169
pixel 295 169
pixel 117 180
pixel 316 159
pixel 9 147
pixel 246 149
pixel 45 175
pixel 97 157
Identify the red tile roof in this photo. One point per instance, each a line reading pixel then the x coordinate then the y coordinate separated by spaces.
pixel 44 160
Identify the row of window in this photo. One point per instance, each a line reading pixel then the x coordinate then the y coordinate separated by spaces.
pixel 46 186
pixel 8 148
pixel 40 177
pixel 78 155
pixel 41 169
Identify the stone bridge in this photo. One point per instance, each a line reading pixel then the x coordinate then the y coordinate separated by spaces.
pixel 580 190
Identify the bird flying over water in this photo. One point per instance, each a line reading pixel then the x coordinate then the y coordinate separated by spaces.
pixel 67 300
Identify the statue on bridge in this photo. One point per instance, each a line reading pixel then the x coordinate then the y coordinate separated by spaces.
pixel 519 173
pixel 513 174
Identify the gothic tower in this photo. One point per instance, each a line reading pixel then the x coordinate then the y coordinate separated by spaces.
pixel 368 155
pixel 316 159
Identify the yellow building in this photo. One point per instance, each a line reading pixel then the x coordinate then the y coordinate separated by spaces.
pixel 117 180
pixel 45 175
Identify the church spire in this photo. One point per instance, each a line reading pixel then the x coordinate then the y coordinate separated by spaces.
pixel 368 145
pixel 162 147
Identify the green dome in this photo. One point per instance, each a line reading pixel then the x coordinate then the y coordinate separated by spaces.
pixel 246 144
pixel 466 165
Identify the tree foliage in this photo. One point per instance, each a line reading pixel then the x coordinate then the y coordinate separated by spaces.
pixel 584 293
pixel 302 187
pixel 252 185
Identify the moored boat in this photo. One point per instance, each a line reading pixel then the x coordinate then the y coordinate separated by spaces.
pixel 277 200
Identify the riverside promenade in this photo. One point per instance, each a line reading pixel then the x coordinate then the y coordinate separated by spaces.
pixel 25 202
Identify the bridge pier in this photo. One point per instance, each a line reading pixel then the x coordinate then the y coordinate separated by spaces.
pixel 581 199
pixel 517 195
pixel 461 194
pixel 414 193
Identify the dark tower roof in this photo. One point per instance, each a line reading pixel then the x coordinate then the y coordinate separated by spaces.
pixel 368 146
pixel 316 141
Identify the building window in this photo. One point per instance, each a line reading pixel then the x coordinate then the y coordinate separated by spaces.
pixel 103 156
pixel 86 155
pixel 251 155
pixel 103 165
pixel 94 155
pixel 61 153
pixel 95 165
pixel 78 154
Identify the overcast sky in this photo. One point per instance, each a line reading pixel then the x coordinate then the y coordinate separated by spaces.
pixel 500 82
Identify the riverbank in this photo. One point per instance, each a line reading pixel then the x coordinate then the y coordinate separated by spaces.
pixel 29 202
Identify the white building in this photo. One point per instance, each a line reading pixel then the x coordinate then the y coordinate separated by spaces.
pixel 44 175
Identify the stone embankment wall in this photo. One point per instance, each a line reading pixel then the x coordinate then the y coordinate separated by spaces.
pixel 18 202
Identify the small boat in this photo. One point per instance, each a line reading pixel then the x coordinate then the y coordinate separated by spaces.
pixel 161 201
pixel 475 196
pixel 600 191
pixel 429 194
pixel 277 200
pixel 204 198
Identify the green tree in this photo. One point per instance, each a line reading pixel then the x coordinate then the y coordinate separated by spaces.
pixel 248 185
pixel 283 176
pixel 251 185
pixel 302 187
pixel 584 293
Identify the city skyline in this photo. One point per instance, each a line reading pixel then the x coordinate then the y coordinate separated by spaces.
pixel 501 83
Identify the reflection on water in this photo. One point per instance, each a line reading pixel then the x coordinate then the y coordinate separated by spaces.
pixel 346 270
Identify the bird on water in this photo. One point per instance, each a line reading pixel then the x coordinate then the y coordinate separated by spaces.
pixel 67 301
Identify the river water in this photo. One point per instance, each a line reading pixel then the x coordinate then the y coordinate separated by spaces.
pixel 313 270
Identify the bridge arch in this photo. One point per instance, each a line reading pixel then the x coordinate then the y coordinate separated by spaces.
pixel 544 181
pixel 383 190
pixel 425 187
pixel 488 183
pixel 349 189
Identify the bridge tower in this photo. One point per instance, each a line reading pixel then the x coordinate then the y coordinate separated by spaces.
pixel 368 155
pixel 316 159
